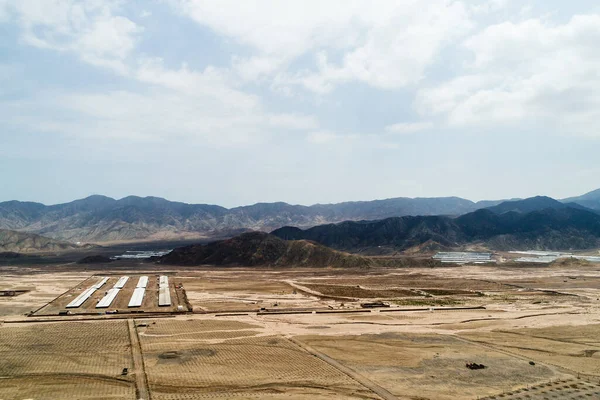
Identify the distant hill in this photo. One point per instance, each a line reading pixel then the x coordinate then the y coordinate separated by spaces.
pixel 551 228
pixel 100 219
pixel 19 242
pixel 261 249
pixel 95 259
pixel 534 204
pixel 589 200
pixel 103 219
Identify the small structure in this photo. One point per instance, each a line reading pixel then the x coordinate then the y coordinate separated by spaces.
pixel 374 304
pixel 474 366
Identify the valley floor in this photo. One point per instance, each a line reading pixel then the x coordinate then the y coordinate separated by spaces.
pixel 302 334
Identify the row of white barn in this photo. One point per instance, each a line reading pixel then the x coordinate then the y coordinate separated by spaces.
pixel 164 297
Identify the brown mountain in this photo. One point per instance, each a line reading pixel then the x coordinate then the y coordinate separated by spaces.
pixel 103 219
pixel 262 249
pixel 19 242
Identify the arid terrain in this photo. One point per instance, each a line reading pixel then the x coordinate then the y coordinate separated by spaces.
pixel 302 333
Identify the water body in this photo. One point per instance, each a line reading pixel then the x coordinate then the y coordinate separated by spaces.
pixel 141 254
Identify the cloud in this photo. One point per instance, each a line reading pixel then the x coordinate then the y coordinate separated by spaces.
pixel 158 115
pixel 89 28
pixel 386 46
pixel 490 6
pixel 526 71
pixel 408 127
pixel 211 82
pixel 200 105
pixel 322 137
pixel 293 121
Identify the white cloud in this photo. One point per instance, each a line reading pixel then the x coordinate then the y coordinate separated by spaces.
pixel 112 37
pixel 387 45
pixel 321 137
pixel 204 105
pixel 532 70
pixel 292 121
pixel 490 6
pixel 159 115
pixel 408 127
pixel 87 28
pixel 211 82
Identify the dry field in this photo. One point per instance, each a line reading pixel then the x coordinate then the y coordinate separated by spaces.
pixel 416 349
pixel 578 353
pixel 225 292
pixel 429 366
pixel 65 360
pixel 203 359
pixel 43 288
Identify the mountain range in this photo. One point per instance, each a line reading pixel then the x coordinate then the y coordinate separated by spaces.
pixel 537 223
pixel 100 219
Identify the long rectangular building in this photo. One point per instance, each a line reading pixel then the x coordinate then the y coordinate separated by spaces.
pixel 121 282
pixel 163 281
pixel 142 282
pixel 101 283
pixel 109 298
pixel 137 297
pixel 79 300
pixel 164 296
pixel 86 294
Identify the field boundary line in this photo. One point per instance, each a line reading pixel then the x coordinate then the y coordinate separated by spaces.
pixel 141 380
pixel 369 384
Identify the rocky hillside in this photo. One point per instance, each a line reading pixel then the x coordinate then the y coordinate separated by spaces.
pixel 551 228
pixel 19 242
pixel 103 219
pixel 261 249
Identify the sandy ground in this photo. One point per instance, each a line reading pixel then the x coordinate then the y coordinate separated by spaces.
pixel 538 334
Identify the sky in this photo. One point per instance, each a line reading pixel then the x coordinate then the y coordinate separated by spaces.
pixel 237 102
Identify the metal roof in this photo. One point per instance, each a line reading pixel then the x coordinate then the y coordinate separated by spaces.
pixel 163 281
pixel 79 300
pixel 101 283
pixel 137 297
pixel 142 282
pixel 108 299
pixel 164 296
pixel 121 282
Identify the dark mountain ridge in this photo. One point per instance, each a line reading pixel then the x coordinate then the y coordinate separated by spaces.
pixel 262 249
pixel 559 228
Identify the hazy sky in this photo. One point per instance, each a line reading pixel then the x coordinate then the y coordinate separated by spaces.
pixel 305 101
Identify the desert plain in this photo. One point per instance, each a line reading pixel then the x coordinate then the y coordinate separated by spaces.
pixel 288 333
